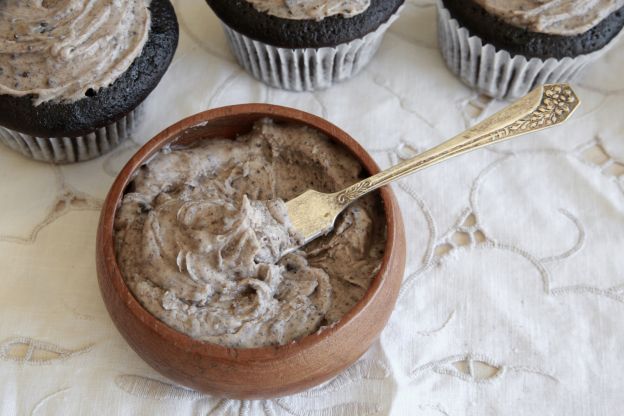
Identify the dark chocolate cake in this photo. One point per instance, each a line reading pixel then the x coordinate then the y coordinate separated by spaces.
pixel 103 107
pixel 241 16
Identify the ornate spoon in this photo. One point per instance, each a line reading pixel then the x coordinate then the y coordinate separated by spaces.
pixel 313 213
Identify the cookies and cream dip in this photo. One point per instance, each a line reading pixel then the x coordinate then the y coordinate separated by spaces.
pixel 555 17
pixel 65 49
pixel 311 9
pixel 200 234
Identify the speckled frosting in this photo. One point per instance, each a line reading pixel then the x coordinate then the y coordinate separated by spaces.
pixel 310 9
pixel 65 49
pixel 556 17
pixel 200 237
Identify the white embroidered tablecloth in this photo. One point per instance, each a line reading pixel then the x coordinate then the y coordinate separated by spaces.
pixel 513 299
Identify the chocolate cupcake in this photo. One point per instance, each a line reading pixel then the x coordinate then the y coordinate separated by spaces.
pixel 505 48
pixel 73 73
pixel 305 45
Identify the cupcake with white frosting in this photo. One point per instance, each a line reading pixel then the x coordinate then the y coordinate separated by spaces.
pixel 305 45
pixel 504 48
pixel 73 72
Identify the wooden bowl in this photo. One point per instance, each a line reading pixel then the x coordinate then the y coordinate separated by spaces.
pixel 254 373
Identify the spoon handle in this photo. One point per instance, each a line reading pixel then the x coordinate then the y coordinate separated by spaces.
pixel 545 106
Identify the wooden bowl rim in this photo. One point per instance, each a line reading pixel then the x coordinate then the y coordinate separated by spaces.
pixel 169 136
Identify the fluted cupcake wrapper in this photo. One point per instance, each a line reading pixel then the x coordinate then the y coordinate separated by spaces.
pixel 305 69
pixel 497 73
pixel 63 150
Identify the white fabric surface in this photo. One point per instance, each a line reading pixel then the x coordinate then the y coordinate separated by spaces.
pixel 513 301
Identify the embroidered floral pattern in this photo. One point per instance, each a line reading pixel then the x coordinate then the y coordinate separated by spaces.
pixel 302 404
pixel 32 351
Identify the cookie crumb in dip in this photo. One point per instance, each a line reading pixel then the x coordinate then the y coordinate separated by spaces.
pixel 199 237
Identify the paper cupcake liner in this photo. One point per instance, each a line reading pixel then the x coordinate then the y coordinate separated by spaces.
pixel 305 69
pixel 498 73
pixel 72 149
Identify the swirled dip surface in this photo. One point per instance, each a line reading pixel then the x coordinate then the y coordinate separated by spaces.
pixel 200 236
pixel 310 9
pixel 557 17
pixel 61 49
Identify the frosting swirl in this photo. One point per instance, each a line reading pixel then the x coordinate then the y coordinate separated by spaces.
pixel 555 17
pixel 310 9
pixel 66 49
pixel 200 237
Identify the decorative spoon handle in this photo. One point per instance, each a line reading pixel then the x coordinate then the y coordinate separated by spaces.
pixel 544 107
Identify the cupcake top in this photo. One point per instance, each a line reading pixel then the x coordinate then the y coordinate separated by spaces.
pixel 65 49
pixel 311 9
pixel 556 17
pixel 252 18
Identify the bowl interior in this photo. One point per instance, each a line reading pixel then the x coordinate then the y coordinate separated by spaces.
pixel 230 122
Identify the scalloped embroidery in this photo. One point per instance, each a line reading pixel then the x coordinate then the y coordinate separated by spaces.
pixel 32 351
pixel 475 368
pixel 362 371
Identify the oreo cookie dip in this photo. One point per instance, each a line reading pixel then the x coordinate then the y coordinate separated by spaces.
pixel 200 234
